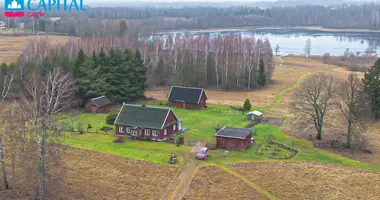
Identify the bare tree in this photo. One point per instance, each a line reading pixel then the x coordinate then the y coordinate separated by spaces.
pixel 314 97
pixel 277 49
pixel 308 48
pixel 349 102
pixel 3 169
pixel 45 97
pixel 6 80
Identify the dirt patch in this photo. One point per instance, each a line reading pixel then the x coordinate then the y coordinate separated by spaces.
pixel 214 183
pixel 273 121
pixel 305 180
pixel 98 176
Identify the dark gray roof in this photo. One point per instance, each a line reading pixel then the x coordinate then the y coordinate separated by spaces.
pixel 101 101
pixel 232 132
pixel 142 116
pixel 185 94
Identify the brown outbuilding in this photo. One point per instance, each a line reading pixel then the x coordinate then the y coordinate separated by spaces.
pixel 99 105
pixel 233 138
pixel 187 97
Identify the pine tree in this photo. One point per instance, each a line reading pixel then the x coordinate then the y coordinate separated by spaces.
pixel 141 74
pixel 371 83
pixel 160 72
pixel 247 105
pixel 262 76
pixel 78 62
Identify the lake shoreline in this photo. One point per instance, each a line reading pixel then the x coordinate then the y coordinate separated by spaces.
pixel 316 28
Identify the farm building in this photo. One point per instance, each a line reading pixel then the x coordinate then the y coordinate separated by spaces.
pixel 146 123
pixel 255 116
pixel 99 105
pixel 187 97
pixel 233 138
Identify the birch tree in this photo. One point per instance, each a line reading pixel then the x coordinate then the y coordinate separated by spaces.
pixel 44 97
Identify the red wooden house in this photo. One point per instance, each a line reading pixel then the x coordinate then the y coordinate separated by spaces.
pixel 187 97
pixel 233 138
pixel 146 123
pixel 99 105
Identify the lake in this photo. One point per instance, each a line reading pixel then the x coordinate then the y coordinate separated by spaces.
pixel 292 40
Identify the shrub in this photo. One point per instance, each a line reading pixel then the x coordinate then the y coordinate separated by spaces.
pixel 80 127
pixel 111 117
pixel 247 105
pixel 89 127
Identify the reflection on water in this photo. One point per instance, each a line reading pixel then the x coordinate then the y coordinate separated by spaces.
pixel 292 41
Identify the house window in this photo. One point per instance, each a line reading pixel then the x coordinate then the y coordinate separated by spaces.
pixel 147 132
pixel 154 133
pixel 134 133
pixel 121 129
pixel 174 127
pixel 128 129
pixel 165 131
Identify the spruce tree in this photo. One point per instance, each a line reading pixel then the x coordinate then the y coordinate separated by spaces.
pixel 371 83
pixel 160 72
pixel 141 74
pixel 78 62
pixel 262 76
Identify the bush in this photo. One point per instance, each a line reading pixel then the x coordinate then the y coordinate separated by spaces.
pixel 247 105
pixel 80 127
pixel 111 117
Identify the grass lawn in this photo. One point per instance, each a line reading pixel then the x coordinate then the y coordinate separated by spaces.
pixel 306 151
pixel 96 120
pixel 200 124
pixel 155 152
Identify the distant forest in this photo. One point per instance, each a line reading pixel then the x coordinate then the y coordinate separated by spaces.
pixel 145 20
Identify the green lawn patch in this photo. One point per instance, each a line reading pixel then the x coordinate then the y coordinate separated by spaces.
pixel 97 121
pixel 155 152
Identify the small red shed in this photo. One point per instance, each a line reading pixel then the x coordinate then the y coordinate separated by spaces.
pixel 233 138
pixel 99 105
pixel 146 123
pixel 187 97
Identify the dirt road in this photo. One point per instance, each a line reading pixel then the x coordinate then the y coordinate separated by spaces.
pixel 184 176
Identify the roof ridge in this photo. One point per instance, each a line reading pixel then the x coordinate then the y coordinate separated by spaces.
pixel 137 105
pixel 99 97
pixel 187 87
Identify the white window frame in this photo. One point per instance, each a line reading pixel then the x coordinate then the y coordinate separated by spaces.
pixel 174 126
pixel 165 131
pixel 121 129
pixel 135 133
pixel 147 132
pixel 128 129
pixel 154 133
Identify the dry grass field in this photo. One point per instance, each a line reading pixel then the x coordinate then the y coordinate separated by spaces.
pixel 214 183
pixel 11 47
pixel 98 176
pixel 311 181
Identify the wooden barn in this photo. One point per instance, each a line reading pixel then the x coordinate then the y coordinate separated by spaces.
pixel 187 97
pixel 99 105
pixel 146 123
pixel 233 138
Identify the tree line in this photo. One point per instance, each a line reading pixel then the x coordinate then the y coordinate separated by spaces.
pixel 103 20
pixel 227 62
